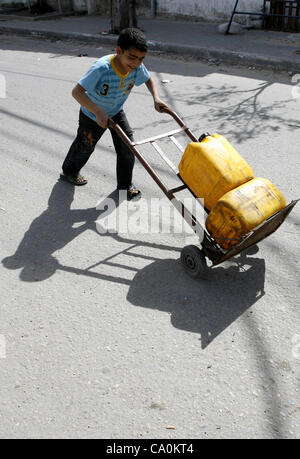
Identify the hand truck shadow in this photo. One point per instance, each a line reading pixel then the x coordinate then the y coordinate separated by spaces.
pixel 206 306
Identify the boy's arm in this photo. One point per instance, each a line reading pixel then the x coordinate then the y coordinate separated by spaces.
pixel 79 94
pixel 158 103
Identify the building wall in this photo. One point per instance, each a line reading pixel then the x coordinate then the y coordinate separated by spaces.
pixel 143 6
pixel 12 2
pixel 208 10
pixel 54 3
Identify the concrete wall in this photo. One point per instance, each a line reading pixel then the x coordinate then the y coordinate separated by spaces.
pixel 143 6
pixel 54 3
pixel 208 10
pixel 12 2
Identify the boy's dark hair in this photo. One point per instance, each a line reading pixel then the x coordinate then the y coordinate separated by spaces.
pixel 132 38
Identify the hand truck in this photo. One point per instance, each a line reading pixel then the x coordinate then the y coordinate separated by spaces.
pixel 192 257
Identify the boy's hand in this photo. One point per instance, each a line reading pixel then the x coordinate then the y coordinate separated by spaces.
pixel 102 119
pixel 79 93
pixel 159 105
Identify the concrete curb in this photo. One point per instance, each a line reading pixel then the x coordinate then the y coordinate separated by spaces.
pixel 220 55
pixel 223 55
pixel 44 17
pixel 47 34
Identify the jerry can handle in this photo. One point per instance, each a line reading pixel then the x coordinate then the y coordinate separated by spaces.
pixel 203 136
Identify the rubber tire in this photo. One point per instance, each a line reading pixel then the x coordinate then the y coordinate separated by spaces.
pixel 193 261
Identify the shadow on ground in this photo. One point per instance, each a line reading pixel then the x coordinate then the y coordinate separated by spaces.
pixel 156 61
pixel 240 112
pixel 205 306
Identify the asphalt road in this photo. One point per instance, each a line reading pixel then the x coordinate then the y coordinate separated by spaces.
pixel 105 335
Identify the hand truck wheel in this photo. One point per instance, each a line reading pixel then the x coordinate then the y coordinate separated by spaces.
pixel 193 261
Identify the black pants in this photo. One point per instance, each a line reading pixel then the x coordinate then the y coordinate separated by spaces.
pixel 88 134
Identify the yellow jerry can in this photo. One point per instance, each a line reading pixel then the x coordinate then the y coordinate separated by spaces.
pixel 212 167
pixel 242 209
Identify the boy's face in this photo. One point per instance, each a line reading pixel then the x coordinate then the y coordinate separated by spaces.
pixel 130 59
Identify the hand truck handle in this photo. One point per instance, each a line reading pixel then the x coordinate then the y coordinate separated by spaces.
pixel 180 122
pixel 111 124
pixel 173 114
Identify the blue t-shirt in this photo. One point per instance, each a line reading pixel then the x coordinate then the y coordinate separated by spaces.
pixel 107 87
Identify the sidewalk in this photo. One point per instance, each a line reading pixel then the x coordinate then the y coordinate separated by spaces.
pixel 277 50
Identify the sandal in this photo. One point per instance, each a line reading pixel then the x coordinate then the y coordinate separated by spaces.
pixel 133 193
pixel 77 180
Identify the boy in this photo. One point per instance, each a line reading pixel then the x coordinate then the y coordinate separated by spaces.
pixel 101 93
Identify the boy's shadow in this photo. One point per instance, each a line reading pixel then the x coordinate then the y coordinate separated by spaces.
pixel 49 232
pixel 204 306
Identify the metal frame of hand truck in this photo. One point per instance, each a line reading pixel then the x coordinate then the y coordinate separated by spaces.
pixel 210 248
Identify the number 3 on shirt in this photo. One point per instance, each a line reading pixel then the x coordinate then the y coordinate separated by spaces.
pixel 105 89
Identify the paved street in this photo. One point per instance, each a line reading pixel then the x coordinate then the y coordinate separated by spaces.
pixel 105 336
